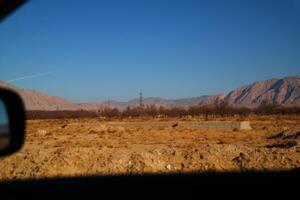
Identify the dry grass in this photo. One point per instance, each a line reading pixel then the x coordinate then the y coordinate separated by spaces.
pixel 93 146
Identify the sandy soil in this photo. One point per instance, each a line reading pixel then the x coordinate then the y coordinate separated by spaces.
pixel 94 146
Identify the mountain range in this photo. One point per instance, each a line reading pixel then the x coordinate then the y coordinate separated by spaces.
pixel 284 91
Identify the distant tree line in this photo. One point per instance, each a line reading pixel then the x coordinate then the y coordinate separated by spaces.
pixel 220 109
pixel 63 114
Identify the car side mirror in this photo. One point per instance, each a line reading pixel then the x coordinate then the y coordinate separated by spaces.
pixel 12 122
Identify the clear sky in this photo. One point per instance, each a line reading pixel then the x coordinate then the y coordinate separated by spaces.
pixel 90 51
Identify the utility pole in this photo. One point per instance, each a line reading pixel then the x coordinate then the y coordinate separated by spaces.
pixel 141 99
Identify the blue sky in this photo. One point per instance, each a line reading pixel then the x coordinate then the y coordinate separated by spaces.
pixel 90 51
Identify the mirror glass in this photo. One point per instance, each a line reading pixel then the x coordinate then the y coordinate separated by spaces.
pixel 4 127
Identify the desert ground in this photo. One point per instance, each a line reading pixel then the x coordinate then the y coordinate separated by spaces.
pixel 78 147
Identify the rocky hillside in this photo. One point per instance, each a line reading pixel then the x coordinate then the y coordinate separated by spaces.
pixel 283 91
pixel 170 103
pixel 39 101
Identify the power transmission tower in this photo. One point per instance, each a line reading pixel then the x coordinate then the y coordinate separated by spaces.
pixel 141 99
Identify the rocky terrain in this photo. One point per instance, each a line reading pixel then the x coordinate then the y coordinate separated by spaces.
pixel 169 103
pixel 81 147
pixel 284 91
pixel 39 101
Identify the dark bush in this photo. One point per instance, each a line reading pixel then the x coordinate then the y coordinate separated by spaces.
pixel 65 114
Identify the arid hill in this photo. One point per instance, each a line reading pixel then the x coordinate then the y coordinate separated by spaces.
pixel 283 91
pixel 39 101
pixel 170 103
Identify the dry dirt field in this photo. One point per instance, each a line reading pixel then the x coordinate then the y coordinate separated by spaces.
pixel 77 147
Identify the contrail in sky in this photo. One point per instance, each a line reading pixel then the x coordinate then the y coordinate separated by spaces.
pixel 28 77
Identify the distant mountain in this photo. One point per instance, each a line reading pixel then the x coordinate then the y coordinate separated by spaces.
pixel 34 100
pixel 283 91
pixel 169 103
pixel 91 106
